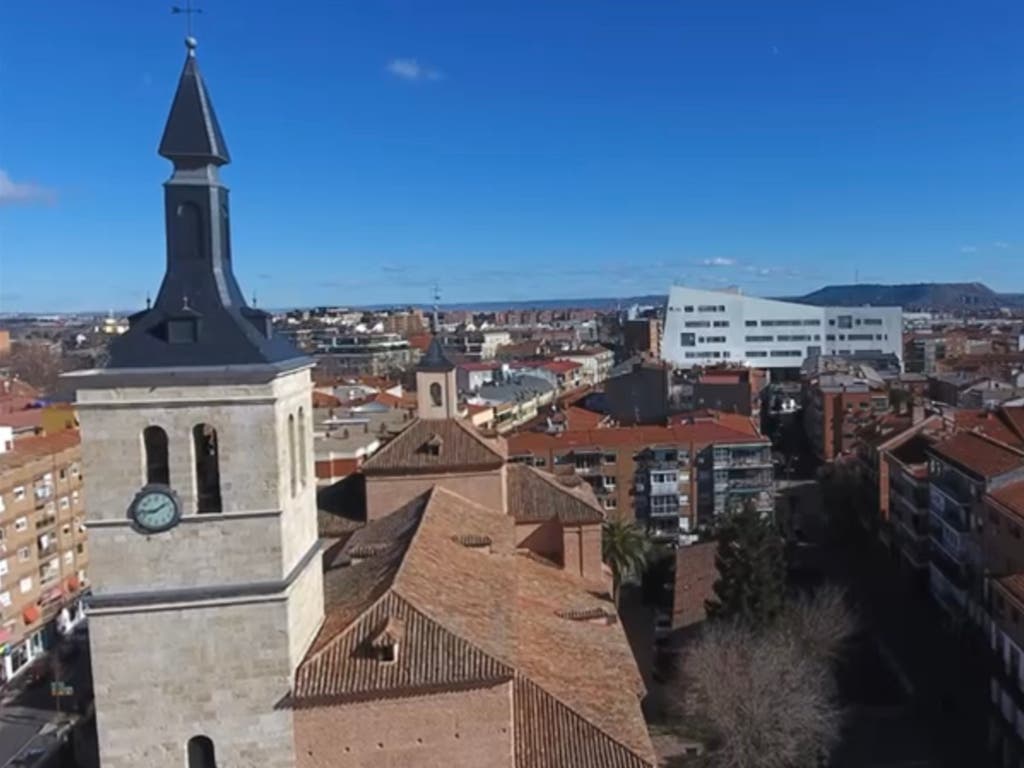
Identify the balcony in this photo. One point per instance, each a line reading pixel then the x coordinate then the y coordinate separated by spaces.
pixel 948 538
pixel 46 520
pixel 664 487
pixel 916 551
pixel 948 510
pixel 953 487
pixel 951 597
pixel 741 458
pixel 664 506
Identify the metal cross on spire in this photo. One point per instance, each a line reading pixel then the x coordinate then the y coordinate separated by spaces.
pixel 188 11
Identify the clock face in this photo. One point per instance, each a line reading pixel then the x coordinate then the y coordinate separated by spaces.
pixel 155 509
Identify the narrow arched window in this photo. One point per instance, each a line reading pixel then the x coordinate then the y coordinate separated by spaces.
pixel 154 441
pixel 200 753
pixel 291 452
pixel 435 394
pixel 204 445
pixel 302 447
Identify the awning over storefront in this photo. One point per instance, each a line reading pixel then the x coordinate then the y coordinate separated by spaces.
pixel 31 614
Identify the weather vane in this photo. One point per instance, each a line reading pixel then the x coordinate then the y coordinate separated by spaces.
pixel 188 11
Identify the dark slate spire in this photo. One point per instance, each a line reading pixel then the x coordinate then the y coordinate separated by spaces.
pixel 193 134
pixel 200 317
pixel 435 360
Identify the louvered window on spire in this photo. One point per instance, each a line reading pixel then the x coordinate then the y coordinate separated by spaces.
pixel 436 395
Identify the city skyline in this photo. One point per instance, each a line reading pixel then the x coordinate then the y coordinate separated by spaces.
pixel 559 152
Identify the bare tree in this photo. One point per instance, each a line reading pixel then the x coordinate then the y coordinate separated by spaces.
pixel 768 696
pixel 36 363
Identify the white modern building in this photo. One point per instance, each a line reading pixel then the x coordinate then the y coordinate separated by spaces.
pixel 714 327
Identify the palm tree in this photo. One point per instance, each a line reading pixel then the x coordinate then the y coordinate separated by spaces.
pixel 624 548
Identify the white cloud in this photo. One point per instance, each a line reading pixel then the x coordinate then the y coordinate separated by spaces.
pixel 718 261
pixel 968 249
pixel 412 70
pixel 22 193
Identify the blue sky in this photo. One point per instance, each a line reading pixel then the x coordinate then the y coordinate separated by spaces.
pixel 514 149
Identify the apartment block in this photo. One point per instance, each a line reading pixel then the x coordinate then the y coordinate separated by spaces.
pixel 836 405
pixel 43 552
pixel 962 470
pixel 672 479
pixel 708 327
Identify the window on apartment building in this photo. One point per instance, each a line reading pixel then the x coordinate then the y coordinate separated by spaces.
pixel 201 753
pixel 21 524
pixel 154 443
pixel 69 557
pixel 688 309
pixel 751 323
pixel 80 548
pixel 64 502
pixel 19 492
pixel 715 339
pixel 62 473
pixel 25 585
pixel 830 337
pixel 697 324
pixel 845 321
pixel 24 554
pixel 687 339
pixel 74 470
pixel 721 323
pixel 812 322
pixel 4 568
pixel 786 353
pixel 872 321
pixel 5 599
pixel 759 339
pixel 207 469
pixel 757 354
pixel 861 337
pixel 74 497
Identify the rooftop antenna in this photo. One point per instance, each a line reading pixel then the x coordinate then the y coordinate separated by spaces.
pixel 187 11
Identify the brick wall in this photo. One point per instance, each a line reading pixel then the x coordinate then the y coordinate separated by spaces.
pixel 445 730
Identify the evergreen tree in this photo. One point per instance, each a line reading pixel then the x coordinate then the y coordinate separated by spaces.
pixel 751 585
pixel 624 549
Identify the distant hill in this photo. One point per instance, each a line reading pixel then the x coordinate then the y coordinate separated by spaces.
pixel 913 296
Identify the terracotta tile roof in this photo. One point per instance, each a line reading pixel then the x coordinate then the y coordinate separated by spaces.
pixel 725 428
pixel 481 365
pixel 549 734
pixel 474 617
pixel 535 496
pixel 324 400
pixel 1010 497
pixel 27 419
pixel 559 366
pixel 393 401
pixel 1014 584
pixel 993 423
pixel 431 658
pixel 1014 417
pixel 980 454
pixel 581 418
pixel 459 446
pixel 29 449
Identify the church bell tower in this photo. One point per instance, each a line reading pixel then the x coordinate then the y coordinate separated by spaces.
pixel 198 452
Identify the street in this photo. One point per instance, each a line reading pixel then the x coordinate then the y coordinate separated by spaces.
pixel 33 724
